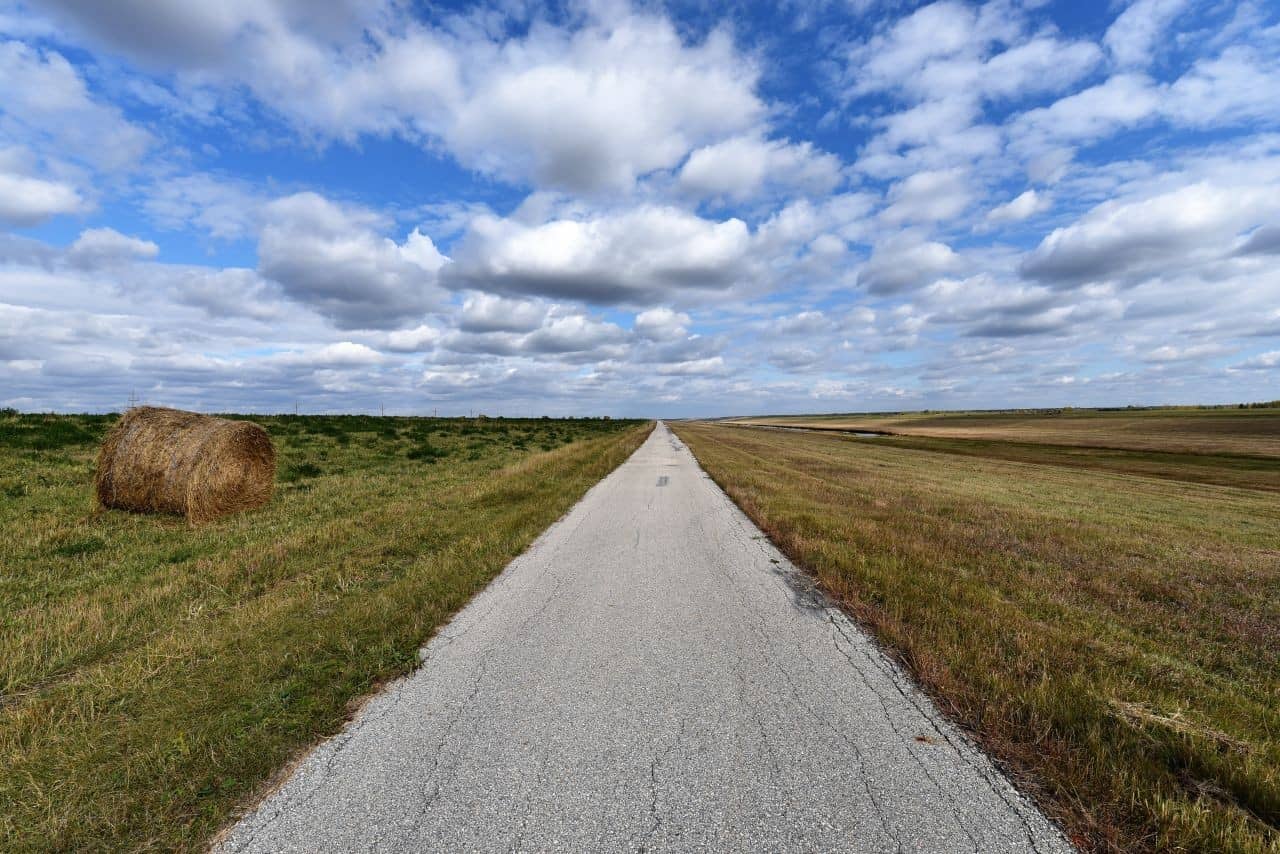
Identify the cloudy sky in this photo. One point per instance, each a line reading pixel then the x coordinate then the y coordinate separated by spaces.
pixel 680 208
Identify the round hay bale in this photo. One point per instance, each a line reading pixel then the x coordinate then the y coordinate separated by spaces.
pixel 158 460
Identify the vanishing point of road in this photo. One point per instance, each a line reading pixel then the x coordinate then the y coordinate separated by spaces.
pixel 651 675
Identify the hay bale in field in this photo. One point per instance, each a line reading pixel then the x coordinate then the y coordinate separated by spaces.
pixel 158 460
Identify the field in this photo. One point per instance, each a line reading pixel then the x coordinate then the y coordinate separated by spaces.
pixel 1106 623
pixel 1218 431
pixel 153 676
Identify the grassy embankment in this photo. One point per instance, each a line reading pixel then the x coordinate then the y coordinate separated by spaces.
pixel 153 675
pixel 1104 624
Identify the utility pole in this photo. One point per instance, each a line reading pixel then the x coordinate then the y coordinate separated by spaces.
pixel 133 398
pixel 295 408
pixel 383 406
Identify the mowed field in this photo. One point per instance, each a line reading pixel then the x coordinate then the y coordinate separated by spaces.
pixel 1106 624
pixel 1216 431
pixel 153 676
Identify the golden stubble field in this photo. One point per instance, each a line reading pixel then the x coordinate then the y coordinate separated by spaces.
pixel 1252 432
pixel 1107 625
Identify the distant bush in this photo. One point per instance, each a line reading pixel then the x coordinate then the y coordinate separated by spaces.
pixel 426 452
pixel 301 471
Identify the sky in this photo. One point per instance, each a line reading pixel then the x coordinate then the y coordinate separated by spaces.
pixel 650 209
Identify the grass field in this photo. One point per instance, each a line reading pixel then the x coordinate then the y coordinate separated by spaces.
pixel 1107 624
pixel 154 675
pixel 1219 431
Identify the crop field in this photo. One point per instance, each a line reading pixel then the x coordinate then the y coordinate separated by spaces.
pixel 154 675
pixel 1215 431
pixel 1105 622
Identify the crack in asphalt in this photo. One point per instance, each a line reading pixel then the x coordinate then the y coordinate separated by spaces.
pixel 651 674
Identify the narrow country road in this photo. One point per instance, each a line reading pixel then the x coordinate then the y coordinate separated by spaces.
pixel 652 675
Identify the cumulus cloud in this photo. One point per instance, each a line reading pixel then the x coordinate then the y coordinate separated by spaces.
pixel 587 108
pixel 592 110
pixel 490 313
pixel 1120 101
pixel 342 354
pixel 905 262
pixel 96 247
pixel 207 36
pixel 639 219
pixel 1235 86
pixel 951 54
pixel 559 332
pixel 332 259
pixel 739 167
pixel 47 107
pixel 639 255
pixel 1024 205
pixel 1164 231
pixel 1132 37
pixel 662 324
pixel 928 196
pixel 28 201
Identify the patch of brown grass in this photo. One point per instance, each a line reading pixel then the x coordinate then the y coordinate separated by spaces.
pixel 1252 432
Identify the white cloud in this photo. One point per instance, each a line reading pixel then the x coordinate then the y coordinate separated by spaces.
pixel 1238 85
pixel 1164 231
pixel 950 50
pixel 711 365
pixel 803 323
pixel 593 110
pixel 1131 39
pixel 928 196
pixel 1120 101
pixel 96 247
pixel 422 337
pixel 586 108
pixel 490 313
pixel 740 167
pixel 905 262
pixel 332 259
pixel 1174 353
pixel 637 255
pixel 1023 206
pixel 1268 361
pixel 662 324
pixel 28 201
pixel 47 107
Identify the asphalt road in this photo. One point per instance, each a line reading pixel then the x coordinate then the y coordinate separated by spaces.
pixel 652 675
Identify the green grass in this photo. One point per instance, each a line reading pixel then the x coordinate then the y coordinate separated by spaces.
pixel 1107 626
pixel 153 676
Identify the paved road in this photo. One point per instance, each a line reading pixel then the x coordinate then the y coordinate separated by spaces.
pixel 652 675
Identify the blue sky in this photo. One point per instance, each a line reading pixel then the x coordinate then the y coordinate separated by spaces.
pixel 638 209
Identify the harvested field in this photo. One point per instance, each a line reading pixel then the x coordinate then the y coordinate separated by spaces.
pixel 153 676
pixel 1248 432
pixel 1108 629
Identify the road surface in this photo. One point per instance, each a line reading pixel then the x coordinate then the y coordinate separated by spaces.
pixel 651 675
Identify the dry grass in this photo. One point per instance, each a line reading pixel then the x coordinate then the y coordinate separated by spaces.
pixel 1113 637
pixel 157 460
pixel 1254 432
pixel 153 675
